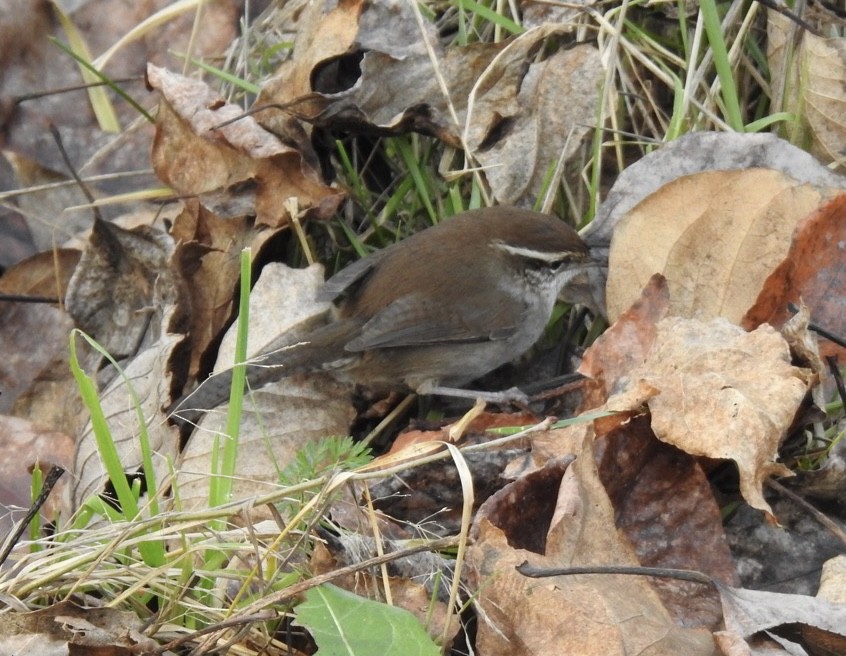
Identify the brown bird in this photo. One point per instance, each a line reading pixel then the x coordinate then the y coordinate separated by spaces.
pixel 432 312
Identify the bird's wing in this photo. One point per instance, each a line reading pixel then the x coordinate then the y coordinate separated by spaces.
pixel 349 276
pixel 416 320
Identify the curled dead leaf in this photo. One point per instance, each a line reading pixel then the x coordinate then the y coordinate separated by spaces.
pixel 195 156
pixel 724 393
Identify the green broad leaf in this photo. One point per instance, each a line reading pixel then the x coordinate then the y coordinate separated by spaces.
pixel 344 624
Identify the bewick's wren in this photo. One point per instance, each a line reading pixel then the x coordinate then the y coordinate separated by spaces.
pixel 432 312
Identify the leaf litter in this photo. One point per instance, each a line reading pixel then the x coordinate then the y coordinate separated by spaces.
pixel 689 387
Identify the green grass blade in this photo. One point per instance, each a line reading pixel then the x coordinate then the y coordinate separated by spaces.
pixel 725 72
pixel 416 171
pixel 488 14
pixel 152 552
pixel 225 455
pixel 107 81
pixel 249 87
pixel 765 122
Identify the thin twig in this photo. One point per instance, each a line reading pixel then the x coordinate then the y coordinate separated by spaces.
pixel 821 517
pixel 50 480
pixel 25 298
pixel 76 87
pixel 819 330
pixel 83 187
pixel 681 574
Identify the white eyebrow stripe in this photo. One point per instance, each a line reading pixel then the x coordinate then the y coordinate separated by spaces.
pixel 544 256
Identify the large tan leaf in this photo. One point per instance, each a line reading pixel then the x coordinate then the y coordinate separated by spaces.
pixel 697 152
pixel 715 236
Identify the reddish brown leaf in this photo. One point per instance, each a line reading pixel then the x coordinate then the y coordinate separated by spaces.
pixel 625 344
pixel 813 272
pixel 664 505
pixel 208 257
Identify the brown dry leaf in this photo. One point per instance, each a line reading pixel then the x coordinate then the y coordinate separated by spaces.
pixel 662 502
pixel 370 66
pixel 66 628
pixel 122 287
pixel 808 73
pixel 593 614
pixel 804 345
pixel 812 273
pixel 664 505
pixel 479 423
pixel 560 444
pixel 209 260
pixel 32 63
pixel 280 418
pixel 625 344
pixel 413 443
pixel 519 122
pixel 324 47
pixel 367 65
pixel 724 393
pixel 44 274
pixel 34 372
pixel 715 236
pixel 195 157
